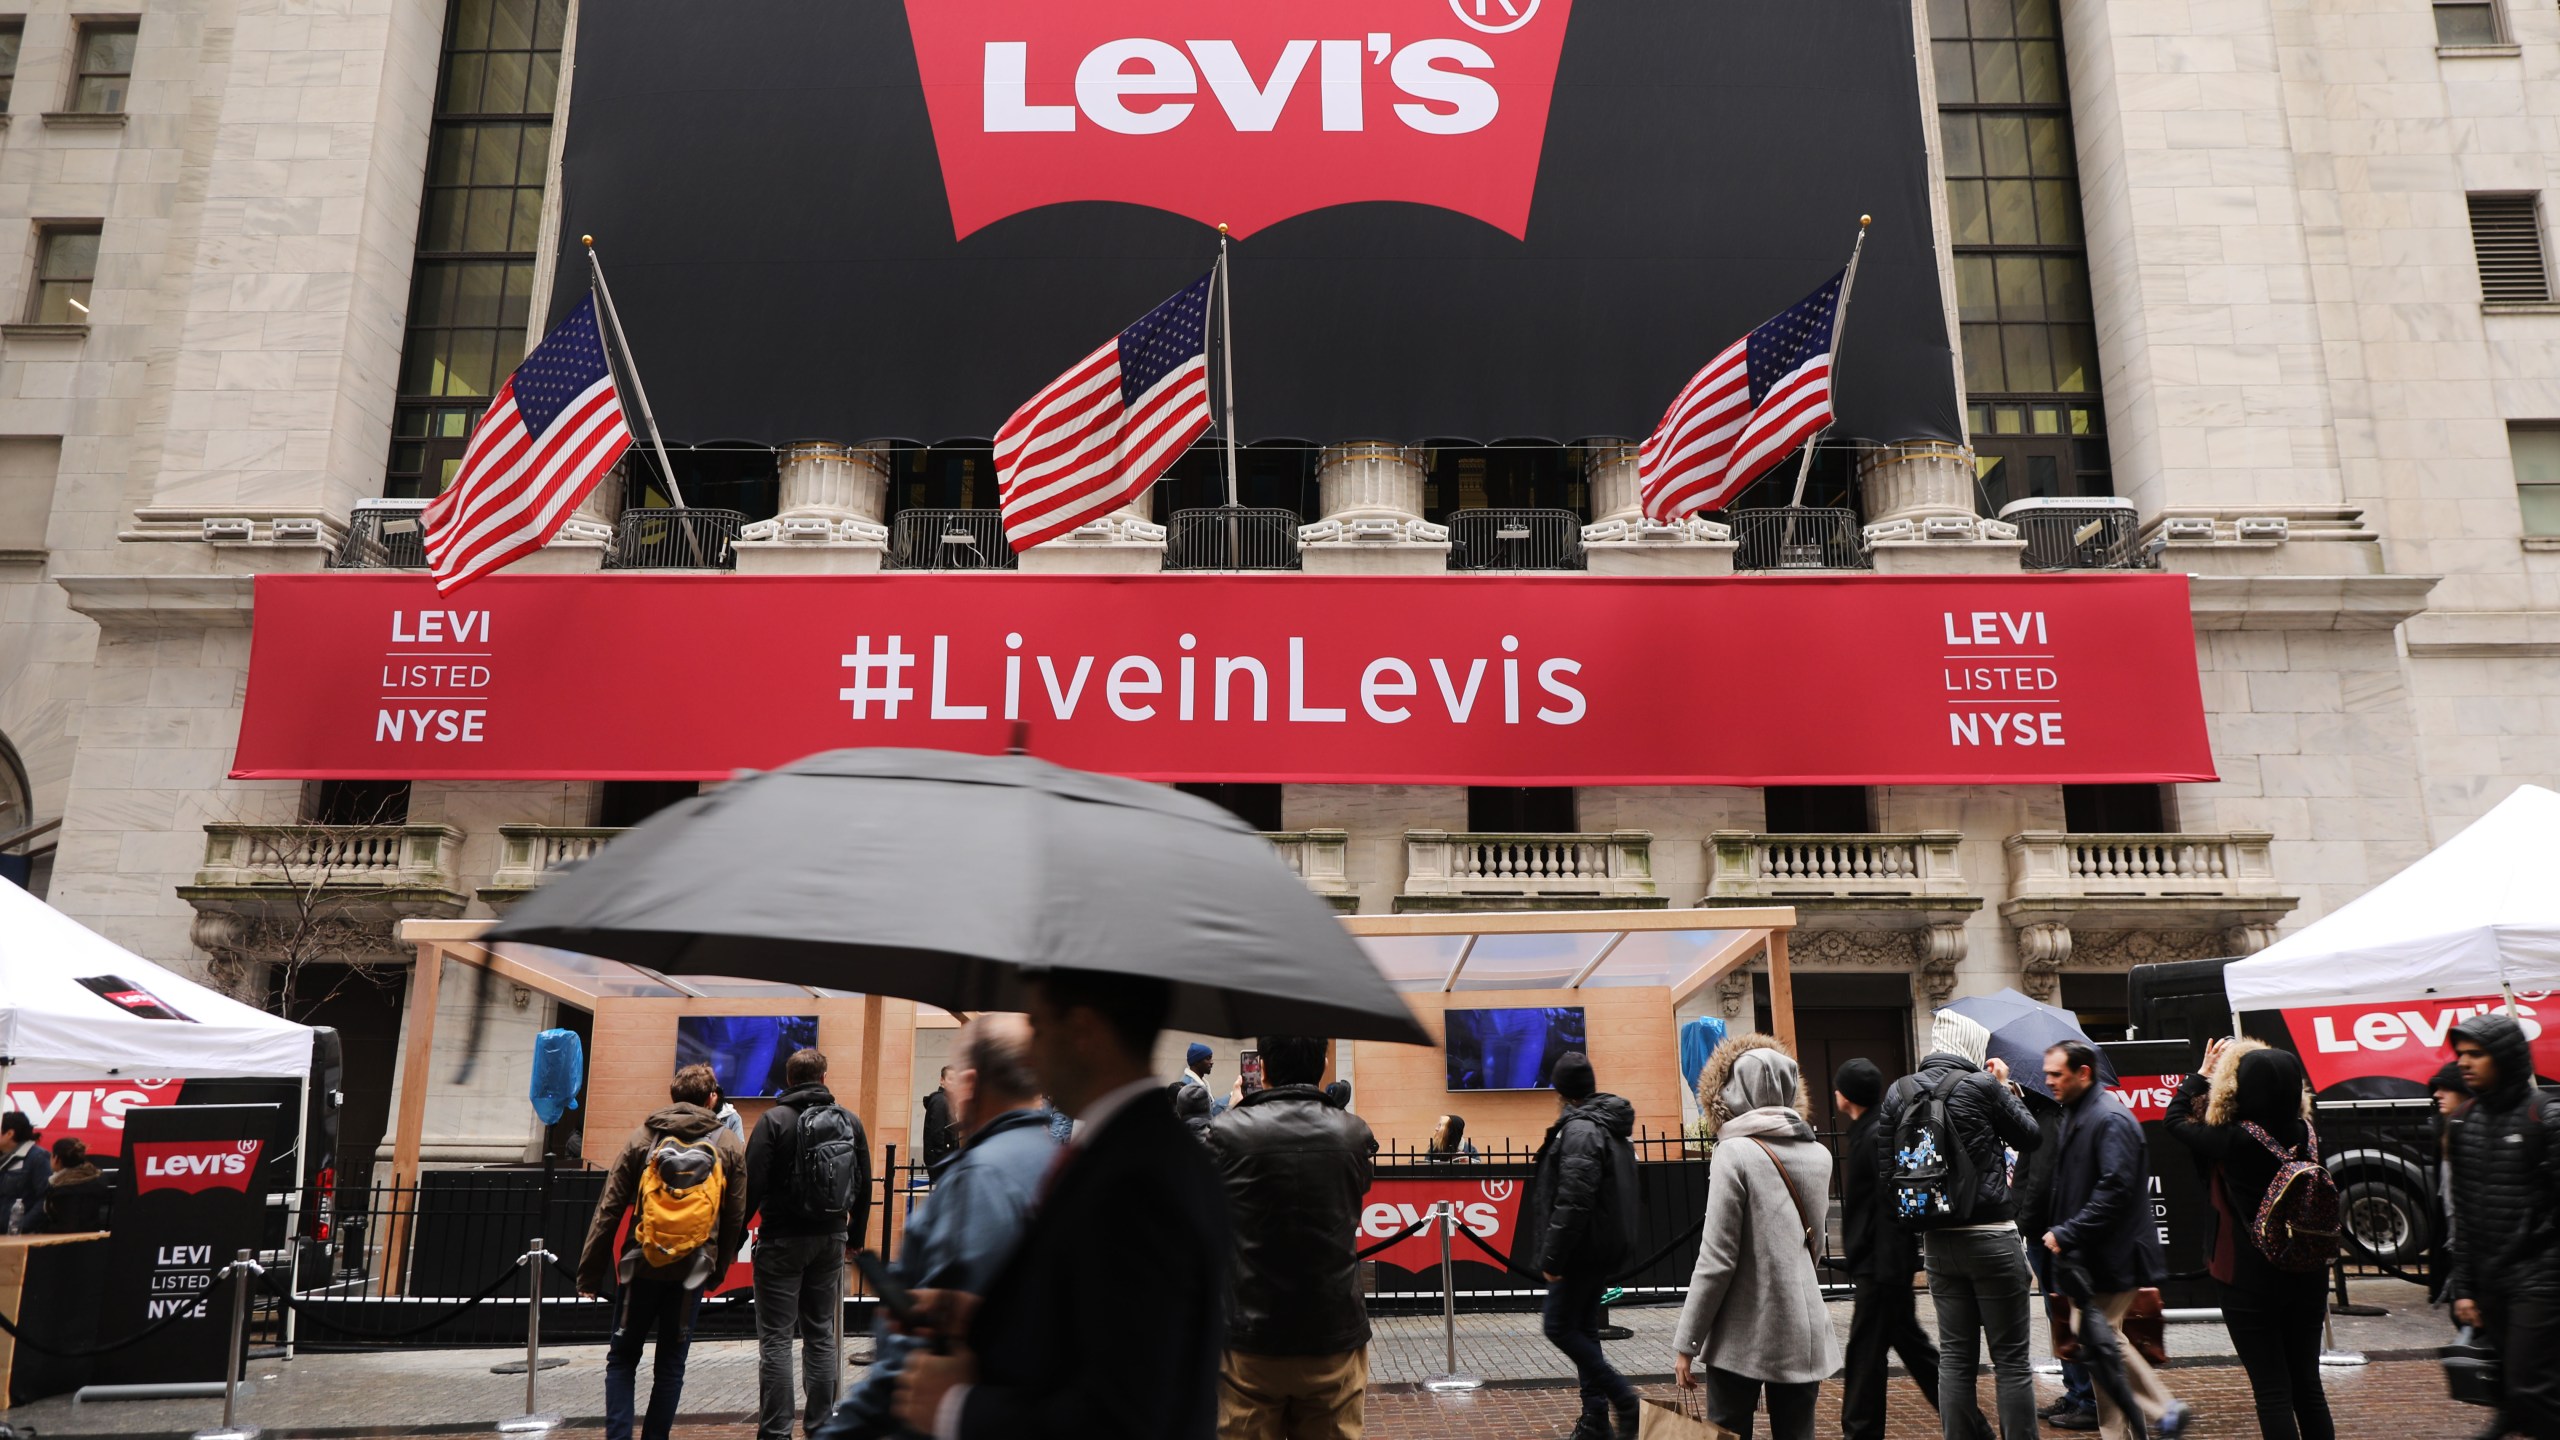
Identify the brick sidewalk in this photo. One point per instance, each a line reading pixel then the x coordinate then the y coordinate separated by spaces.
pixel 2389 1400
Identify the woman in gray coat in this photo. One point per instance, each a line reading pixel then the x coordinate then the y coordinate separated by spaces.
pixel 1755 1314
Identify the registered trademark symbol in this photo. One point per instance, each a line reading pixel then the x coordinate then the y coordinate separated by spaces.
pixel 1494 17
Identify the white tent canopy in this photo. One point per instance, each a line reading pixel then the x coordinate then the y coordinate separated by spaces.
pixel 54 1027
pixel 2478 915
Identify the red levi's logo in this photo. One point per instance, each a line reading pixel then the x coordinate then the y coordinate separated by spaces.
pixel 194 1166
pixel 2411 1039
pixel 1239 115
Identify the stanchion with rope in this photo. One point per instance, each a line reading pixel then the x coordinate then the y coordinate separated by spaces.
pixel 534 1420
pixel 1451 1380
pixel 242 1266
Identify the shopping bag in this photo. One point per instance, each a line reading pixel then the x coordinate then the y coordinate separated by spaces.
pixel 1681 1419
pixel 2145 1327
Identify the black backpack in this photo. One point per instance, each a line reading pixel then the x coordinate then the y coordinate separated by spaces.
pixel 1933 1181
pixel 833 1166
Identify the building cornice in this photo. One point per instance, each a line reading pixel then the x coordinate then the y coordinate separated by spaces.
pixel 2485 634
pixel 2306 602
pixel 162 602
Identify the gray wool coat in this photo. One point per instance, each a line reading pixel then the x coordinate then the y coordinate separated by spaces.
pixel 1755 1303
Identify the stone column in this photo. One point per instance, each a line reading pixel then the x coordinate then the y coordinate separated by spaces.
pixel 1615 542
pixel 833 497
pixel 1918 497
pixel 1609 467
pixel 1371 491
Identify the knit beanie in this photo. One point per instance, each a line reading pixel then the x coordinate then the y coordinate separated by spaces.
pixel 1572 1077
pixel 1860 1083
pixel 1960 1035
pixel 1196 1056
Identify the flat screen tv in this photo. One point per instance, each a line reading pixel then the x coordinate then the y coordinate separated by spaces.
pixel 745 1051
pixel 1510 1049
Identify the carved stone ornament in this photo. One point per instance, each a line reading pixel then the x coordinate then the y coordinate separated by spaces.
pixel 1901 949
pixel 1733 995
pixel 2043 948
pixel 2124 949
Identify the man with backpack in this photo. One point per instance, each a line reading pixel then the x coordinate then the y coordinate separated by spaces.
pixel 1577 1226
pixel 809 1177
pixel 683 1180
pixel 2506 1204
pixel 1945 1173
pixel 2105 1242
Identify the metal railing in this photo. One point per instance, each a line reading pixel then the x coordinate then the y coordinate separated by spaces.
pixel 1242 538
pixel 2088 535
pixel 1796 539
pixel 383 535
pixel 949 540
pixel 1515 540
pixel 672 539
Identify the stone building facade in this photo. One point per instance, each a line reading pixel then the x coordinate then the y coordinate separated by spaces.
pixel 2324 382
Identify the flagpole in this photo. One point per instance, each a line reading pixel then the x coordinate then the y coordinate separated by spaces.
pixel 1839 325
pixel 595 267
pixel 1227 362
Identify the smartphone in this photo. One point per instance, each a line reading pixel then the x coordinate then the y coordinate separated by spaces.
pixel 900 1300
pixel 1250 1066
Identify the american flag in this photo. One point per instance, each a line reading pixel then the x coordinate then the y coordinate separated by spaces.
pixel 1763 396
pixel 553 431
pixel 1096 437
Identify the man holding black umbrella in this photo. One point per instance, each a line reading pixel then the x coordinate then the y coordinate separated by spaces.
pixel 1109 1321
pixel 2106 1243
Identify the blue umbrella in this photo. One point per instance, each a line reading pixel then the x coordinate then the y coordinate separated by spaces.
pixel 1698 1040
pixel 2022 1029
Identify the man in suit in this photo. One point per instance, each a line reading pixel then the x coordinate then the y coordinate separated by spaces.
pixel 1881 1259
pixel 1109 1321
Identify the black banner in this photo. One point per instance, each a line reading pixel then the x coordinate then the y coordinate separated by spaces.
pixel 1459 219
pixel 191 1196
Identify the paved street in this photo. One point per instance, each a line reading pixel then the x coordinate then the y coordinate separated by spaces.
pixel 2400 1395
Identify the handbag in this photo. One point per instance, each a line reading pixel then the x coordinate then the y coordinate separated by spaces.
pixel 2145 1328
pixel 1682 1419
pixel 2472 1373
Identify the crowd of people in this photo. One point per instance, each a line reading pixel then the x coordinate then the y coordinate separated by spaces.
pixel 1171 1263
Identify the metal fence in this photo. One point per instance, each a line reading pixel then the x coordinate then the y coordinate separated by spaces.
pixel 1796 539
pixel 1515 540
pixel 2078 537
pixel 949 540
pixel 1241 538
pixel 2390 1171
pixel 670 539
pixel 383 535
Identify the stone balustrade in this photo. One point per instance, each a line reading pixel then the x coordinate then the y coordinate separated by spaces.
pixel 1451 870
pixel 269 889
pixel 2107 902
pixel 1321 858
pixel 1749 866
pixel 527 854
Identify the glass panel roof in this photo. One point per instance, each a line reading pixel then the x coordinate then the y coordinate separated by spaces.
pixel 1414 962
pixel 589 973
pixel 1658 957
pixel 1548 961
pixel 1529 962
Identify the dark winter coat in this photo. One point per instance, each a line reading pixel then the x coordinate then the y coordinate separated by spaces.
pixel 773 1170
pixel 2241 1168
pixel 941 1137
pixel 1295 1169
pixel 2506 1175
pixel 76 1202
pixel 1986 1116
pixel 597 1261
pixel 1874 1247
pixel 1578 1218
pixel 2101 1199
pixel 22 1177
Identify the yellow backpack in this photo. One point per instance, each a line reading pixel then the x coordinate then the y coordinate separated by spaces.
pixel 680 1188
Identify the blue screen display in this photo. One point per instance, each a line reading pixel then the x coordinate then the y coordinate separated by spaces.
pixel 745 1051
pixel 1510 1049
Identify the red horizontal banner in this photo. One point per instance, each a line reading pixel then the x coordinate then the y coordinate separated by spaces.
pixel 1420 679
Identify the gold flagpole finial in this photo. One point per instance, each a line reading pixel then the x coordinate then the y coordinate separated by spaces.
pixel 1865 220
pixel 590 241
pixel 1222 227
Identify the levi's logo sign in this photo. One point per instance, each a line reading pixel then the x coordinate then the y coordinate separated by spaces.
pixel 1242 115
pixel 193 1166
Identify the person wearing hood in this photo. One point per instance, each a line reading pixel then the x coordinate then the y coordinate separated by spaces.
pixel 1191 1107
pixel 1577 1224
pixel 2274 1316
pixel 659 1297
pixel 2506 1202
pixel 1754 1314
pixel 1978 1276
pixel 75 1202
pixel 801 1241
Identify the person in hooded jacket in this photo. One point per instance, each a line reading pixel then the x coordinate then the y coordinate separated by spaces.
pixel 1977 1264
pixel 2274 1316
pixel 1577 1224
pixel 800 1251
pixel 2506 1202
pixel 1754 1314
pixel 1884 1318
pixel 75 1202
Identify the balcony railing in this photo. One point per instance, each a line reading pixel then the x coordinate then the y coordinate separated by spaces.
pixel 276 887
pixel 383 535
pixel 1450 870
pixel 670 539
pixel 2084 534
pixel 2123 898
pixel 949 540
pixel 1748 866
pixel 1515 540
pixel 1320 858
pixel 2047 863
pixel 1242 538
pixel 1796 539
pixel 527 854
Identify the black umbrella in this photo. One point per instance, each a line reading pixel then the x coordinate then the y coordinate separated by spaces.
pixel 943 877
pixel 2023 1028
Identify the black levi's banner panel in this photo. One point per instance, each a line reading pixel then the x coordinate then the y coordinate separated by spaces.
pixel 132 999
pixel 1473 219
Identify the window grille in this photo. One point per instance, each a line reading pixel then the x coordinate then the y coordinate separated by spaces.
pixel 2506 233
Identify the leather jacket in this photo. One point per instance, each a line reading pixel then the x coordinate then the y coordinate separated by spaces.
pixel 1295 1170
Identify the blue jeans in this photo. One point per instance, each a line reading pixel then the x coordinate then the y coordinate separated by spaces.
pixel 1978 1281
pixel 650 1310
pixel 1572 1324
